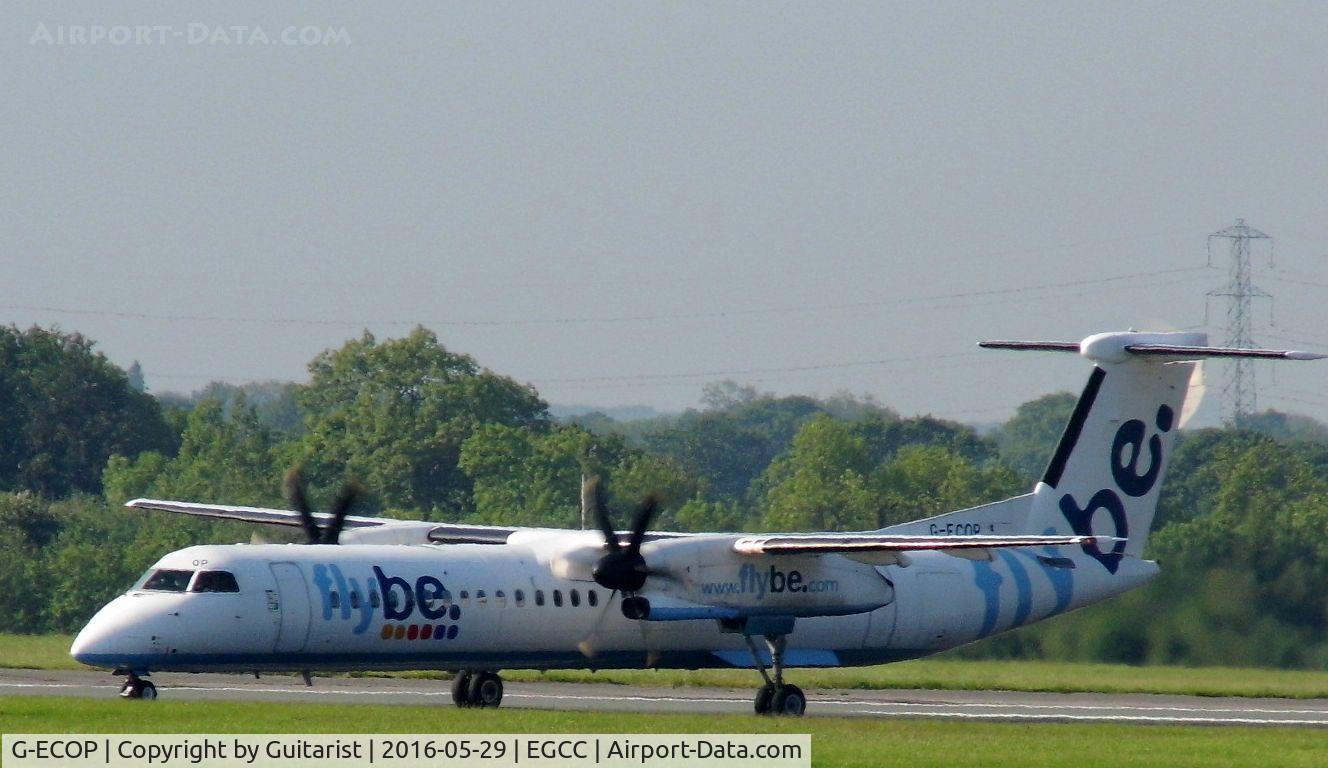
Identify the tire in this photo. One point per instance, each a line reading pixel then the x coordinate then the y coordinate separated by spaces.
pixel 789 701
pixel 486 690
pixel 146 691
pixel 764 697
pixel 461 689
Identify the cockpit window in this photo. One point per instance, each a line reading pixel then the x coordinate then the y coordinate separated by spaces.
pixel 216 581
pixel 168 580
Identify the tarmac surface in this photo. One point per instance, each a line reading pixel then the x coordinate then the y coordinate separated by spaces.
pixel 946 705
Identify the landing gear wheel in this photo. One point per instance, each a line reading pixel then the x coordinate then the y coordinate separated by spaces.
pixel 789 701
pixel 764 697
pixel 461 689
pixel 135 688
pixel 486 690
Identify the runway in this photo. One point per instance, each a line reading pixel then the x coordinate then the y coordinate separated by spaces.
pixel 944 705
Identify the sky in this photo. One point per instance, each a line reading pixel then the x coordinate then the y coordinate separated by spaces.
pixel 619 202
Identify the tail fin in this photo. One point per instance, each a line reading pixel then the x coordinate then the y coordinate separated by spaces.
pixel 1107 470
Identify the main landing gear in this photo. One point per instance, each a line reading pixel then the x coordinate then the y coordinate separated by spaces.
pixel 136 687
pixel 477 689
pixel 776 697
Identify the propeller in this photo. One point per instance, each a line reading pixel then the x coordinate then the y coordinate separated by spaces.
pixel 299 500
pixel 622 568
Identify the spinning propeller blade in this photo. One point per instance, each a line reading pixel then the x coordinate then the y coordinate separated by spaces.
pixel 299 501
pixel 623 569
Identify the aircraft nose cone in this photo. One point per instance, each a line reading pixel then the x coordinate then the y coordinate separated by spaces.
pixel 110 638
pixel 89 643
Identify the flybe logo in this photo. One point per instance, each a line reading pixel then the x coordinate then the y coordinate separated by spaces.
pixel 757 582
pixel 418 610
pixel 1127 449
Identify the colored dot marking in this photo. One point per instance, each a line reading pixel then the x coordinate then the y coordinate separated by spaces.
pixel 413 632
pixel 426 631
pixel 440 633
pixel 400 632
pixel 386 634
pixel 452 632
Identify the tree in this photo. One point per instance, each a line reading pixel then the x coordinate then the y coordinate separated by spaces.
pixel 522 477
pixel 274 402
pixel 925 480
pixel 395 414
pixel 64 410
pixel 1029 438
pixel 729 448
pixel 821 483
pixel 232 459
pixel 1286 427
pixel 720 395
pixel 135 375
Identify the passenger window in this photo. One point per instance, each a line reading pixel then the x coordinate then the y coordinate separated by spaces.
pixel 334 599
pixel 465 594
pixel 500 597
pixel 576 599
pixel 539 597
pixel 373 599
pixel 592 598
pixel 354 599
pixel 557 598
pixel 391 597
pixel 480 596
pixel 214 581
pixel 167 580
pixel 520 598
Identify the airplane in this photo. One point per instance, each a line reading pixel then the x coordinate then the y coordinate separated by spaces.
pixel 386 594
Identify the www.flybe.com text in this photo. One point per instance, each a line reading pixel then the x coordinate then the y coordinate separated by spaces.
pixel 754 581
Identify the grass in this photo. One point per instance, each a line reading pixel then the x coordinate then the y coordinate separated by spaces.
pixel 52 652
pixel 835 741
pixel 37 652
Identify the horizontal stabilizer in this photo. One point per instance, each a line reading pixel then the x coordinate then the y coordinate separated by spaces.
pixel 821 543
pixel 1190 353
pixel 1032 346
pixel 1117 347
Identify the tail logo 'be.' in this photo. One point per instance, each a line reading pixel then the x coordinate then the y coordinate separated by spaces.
pixel 1128 479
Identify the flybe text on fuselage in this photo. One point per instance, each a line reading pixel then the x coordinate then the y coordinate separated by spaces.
pixel 344 598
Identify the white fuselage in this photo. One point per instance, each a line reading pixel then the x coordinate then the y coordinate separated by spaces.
pixel 473 606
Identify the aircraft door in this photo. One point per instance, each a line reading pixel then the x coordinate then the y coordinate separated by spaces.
pixel 293 604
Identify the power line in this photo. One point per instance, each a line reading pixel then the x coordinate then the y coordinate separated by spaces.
pixel 758 371
pixel 581 320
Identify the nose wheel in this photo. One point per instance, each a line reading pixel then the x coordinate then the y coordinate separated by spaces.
pixel 477 689
pixel 135 687
pixel 776 697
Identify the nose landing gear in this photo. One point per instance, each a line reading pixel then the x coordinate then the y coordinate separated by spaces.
pixel 477 689
pixel 135 687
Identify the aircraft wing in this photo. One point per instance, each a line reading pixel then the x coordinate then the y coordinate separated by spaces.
pixel 850 543
pixel 251 514
pixel 436 533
